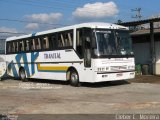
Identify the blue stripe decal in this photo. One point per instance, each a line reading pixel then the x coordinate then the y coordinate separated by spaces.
pixel 13 68
pixel 33 34
pixel 33 58
pixel 23 56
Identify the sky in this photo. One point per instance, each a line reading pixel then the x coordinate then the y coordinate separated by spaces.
pixel 28 16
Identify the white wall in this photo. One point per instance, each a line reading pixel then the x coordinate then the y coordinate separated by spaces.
pixel 157 65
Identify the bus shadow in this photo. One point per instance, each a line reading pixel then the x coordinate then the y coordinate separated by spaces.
pixel 57 82
pixel 105 84
pixel 89 85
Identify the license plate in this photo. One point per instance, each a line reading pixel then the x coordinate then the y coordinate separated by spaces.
pixel 119 75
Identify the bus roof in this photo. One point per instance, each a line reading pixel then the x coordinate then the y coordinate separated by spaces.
pixel 89 25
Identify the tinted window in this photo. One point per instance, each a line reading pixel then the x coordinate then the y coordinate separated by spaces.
pixel 65 39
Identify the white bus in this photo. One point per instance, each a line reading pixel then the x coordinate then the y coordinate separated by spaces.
pixel 2 59
pixel 87 52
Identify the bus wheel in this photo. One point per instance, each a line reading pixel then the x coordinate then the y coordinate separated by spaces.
pixel 74 78
pixel 22 75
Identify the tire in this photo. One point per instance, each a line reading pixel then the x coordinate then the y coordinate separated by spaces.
pixel 74 78
pixel 22 75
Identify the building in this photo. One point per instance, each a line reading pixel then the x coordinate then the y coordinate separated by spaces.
pixel 142 45
pixel 146 44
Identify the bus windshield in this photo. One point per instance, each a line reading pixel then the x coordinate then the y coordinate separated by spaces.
pixel 113 42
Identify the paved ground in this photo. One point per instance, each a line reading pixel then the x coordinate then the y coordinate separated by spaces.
pixel 146 79
pixel 133 96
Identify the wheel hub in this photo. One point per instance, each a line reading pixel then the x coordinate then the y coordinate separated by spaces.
pixel 74 76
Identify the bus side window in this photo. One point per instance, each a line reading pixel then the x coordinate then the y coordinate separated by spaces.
pixel 79 46
pixel 69 38
pixel 53 41
pixel 65 39
pixel 27 45
pixel 17 48
pixel 33 44
pixel 59 41
pixel 13 49
pixel 45 43
pixel 37 43
pixel 62 40
pixel 9 46
pixel 21 46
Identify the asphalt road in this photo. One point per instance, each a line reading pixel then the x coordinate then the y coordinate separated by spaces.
pixel 39 97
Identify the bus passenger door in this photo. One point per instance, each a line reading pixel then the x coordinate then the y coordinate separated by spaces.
pixel 84 45
pixel 87 47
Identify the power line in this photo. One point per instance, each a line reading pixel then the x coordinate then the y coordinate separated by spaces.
pixel 57 6
pixel 24 21
pixel 42 3
pixel 26 3
pixel 11 33
pixel 37 5
pixel 57 2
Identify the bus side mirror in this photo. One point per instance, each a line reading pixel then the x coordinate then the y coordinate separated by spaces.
pixel 93 44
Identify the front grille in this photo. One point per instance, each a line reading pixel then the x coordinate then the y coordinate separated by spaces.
pixel 119 67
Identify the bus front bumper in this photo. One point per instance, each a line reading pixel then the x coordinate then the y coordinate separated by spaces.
pixel 102 77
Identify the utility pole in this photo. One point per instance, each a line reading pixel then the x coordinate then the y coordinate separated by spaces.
pixel 138 15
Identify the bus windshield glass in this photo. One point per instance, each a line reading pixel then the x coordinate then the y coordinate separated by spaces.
pixel 113 42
